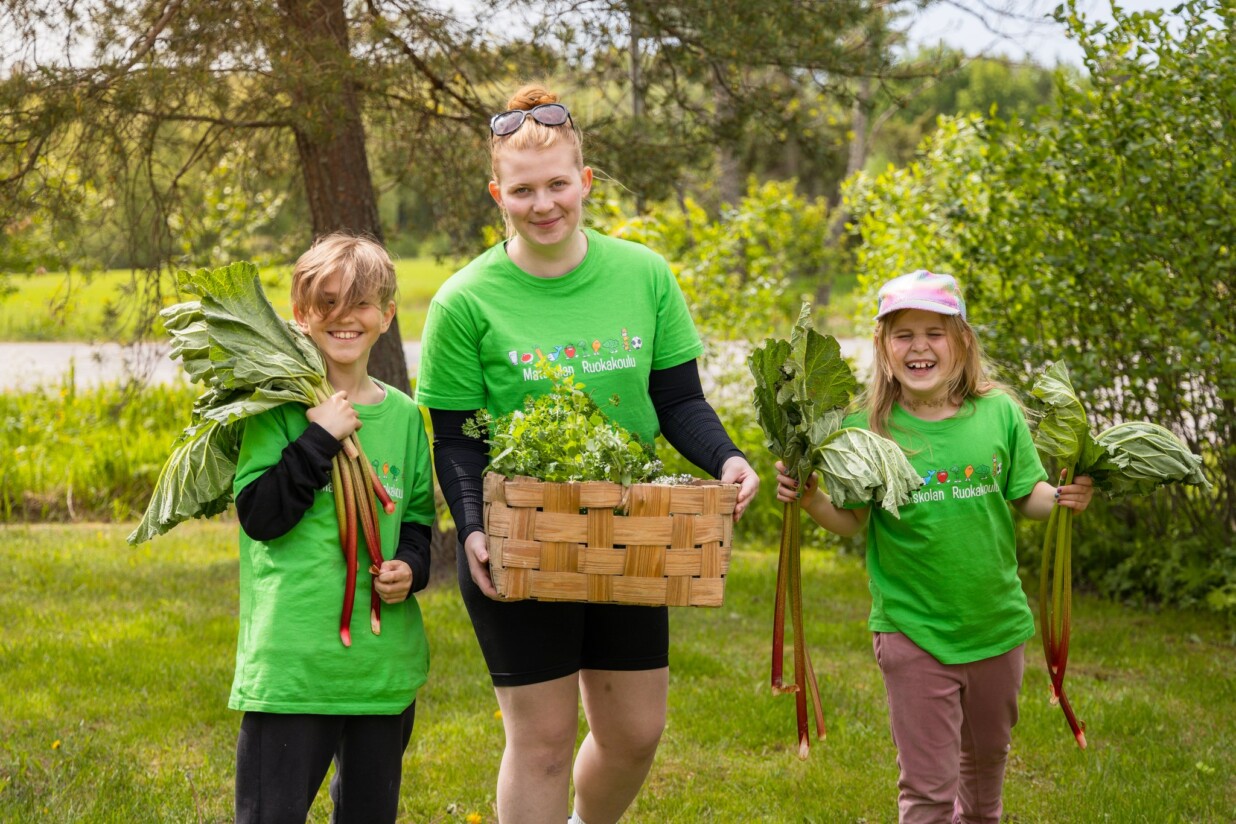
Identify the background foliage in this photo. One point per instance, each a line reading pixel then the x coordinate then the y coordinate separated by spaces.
pixel 1101 235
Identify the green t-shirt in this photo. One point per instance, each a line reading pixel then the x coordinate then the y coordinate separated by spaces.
pixel 610 321
pixel 289 658
pixel 945 574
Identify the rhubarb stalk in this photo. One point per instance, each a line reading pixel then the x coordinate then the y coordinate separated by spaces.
pixel 1056 609
pixel 789 586
pixel 349 554
pixel 788 517
pixel 369 523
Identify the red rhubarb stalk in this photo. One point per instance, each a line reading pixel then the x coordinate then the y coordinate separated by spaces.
pixel 375 483
pixel 1056 611
pixel 373 541
pixel 804 674
pixel 349 554
pixel 368 513
pixel 789 517
pixel 789 587
pixel 341 508
pixel 371 475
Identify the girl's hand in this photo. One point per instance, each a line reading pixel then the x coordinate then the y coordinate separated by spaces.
pixel 393 581
pixel 844 522
pixel 476 550
pixel 737 471
pixel 787 487
pixel 336 415
pixel 1077 495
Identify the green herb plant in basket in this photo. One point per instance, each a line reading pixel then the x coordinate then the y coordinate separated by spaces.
pixel 563 436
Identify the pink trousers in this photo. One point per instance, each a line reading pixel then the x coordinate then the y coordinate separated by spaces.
pixel 951 725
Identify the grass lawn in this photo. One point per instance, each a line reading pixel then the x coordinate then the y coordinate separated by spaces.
pixel 115 665
pixel 50 308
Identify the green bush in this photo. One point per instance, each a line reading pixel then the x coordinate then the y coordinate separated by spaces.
pixel 738 269
pixel 738 272
pixel 1102 235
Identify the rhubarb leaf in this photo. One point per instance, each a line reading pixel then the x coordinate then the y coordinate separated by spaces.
pixel 195 482
pixel 1063 435
pixel 250 360
pixel 802 389
pixel 1131 458
pixel 859 466
pixel 1147 456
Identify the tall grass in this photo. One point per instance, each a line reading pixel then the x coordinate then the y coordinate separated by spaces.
pixel 68 454
pixel 53 307
pixel 115 665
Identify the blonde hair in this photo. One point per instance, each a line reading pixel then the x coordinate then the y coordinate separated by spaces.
pixel 970 376
pixel 533 135
pixel 366 272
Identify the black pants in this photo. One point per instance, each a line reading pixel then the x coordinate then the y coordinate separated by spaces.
pixel 282 759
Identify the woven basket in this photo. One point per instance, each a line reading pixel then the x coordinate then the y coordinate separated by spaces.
pixel 605 543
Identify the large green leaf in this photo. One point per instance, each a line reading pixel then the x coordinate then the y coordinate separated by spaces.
pixel 1147 456
pixel 190 343
pixel 802 389
pixel 249 342
pixel 1131 458
pixel 827 382
pixel 252 403
pixel 859 466
pixel 768 367
pixel 1063 435
pixel 195 482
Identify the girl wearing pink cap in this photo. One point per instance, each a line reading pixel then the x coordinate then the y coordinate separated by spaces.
pixel 948 615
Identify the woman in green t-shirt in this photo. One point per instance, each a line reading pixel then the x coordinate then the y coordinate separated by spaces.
pixel 948 615
pixel 611 312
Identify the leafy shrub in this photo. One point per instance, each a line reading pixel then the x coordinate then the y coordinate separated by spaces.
pixel 737 270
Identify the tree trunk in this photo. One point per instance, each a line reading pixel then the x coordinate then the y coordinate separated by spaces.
pixel 330 138
pixel 729 182
pixel 637 91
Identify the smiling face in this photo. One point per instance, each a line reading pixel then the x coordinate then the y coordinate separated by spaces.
pixel 921 354
pixel 542 191
pixel 345 334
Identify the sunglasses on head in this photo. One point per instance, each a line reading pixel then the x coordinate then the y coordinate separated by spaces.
pixel 547 114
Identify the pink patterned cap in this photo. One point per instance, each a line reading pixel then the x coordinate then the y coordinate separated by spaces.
pixel 922 290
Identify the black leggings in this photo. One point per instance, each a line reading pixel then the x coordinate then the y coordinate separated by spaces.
pixel 282 759
pixel 530 642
